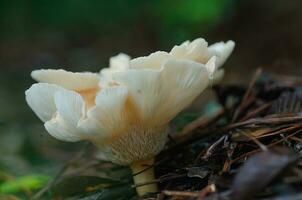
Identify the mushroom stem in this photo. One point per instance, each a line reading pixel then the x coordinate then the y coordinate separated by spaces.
pixel 144 175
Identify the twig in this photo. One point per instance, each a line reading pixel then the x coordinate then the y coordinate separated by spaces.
pixel 269 121
pixel 198 123
pixel 296 139
pixel 180 193
pixel 149 167
pixel 261 146
pixel 256 111
pixel 270 145
pixel 40 193
pixel 211 149
pixel 247 94
pixel 284 130
pixel 208 189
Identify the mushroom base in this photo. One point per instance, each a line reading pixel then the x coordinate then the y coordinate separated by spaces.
pixel 143 174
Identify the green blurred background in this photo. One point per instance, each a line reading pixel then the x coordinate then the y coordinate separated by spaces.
pixel 81 35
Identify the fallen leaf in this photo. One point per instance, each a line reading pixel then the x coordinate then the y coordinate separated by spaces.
pixel 259 170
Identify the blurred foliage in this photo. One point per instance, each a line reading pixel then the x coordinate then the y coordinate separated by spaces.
pixel 24 183
pixel 182 18
pixel 184 118
pixel 75 17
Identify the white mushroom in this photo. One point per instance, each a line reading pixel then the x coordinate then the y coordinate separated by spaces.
pixel 125 110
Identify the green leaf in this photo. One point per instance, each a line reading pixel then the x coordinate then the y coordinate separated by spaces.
pixel 29 182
